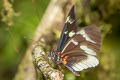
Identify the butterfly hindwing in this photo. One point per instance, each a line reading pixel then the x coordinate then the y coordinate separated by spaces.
pixel 70 25
pixel 80 63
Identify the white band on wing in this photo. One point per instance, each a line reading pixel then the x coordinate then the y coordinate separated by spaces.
pixel 82 32
pixel 87 50
pixel 91 61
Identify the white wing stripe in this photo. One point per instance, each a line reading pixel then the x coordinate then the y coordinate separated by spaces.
pixel 82 32
pixel 79 67
pixel 86 63
pixel 76 69
pixel 91 61
pixel 87 50
pixel 83 65
pixel 73 41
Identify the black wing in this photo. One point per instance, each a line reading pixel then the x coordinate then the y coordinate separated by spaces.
pixel 81 50
pixel 70 25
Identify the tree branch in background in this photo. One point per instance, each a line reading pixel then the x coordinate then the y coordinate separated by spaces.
pixel 8 13
pixel 26 69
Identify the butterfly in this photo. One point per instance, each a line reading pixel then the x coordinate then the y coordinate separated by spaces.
pixel 77 49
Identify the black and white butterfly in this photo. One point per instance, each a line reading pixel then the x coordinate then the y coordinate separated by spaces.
pixel 77 50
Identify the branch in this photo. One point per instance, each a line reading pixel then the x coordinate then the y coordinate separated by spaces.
pixel 26 69
pixel 43 65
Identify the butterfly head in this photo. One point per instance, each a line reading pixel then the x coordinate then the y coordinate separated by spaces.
pixel 56 56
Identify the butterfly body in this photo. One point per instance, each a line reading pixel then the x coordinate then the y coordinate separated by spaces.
pixel 77 49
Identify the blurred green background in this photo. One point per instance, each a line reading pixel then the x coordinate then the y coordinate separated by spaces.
pixel 17 30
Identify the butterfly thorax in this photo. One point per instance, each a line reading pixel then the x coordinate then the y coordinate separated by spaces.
pixel 56 56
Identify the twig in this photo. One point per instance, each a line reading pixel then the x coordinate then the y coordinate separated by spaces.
pixel 43 65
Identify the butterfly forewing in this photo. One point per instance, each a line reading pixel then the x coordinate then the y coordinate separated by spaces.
pixel 70 25
pixel 83 39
